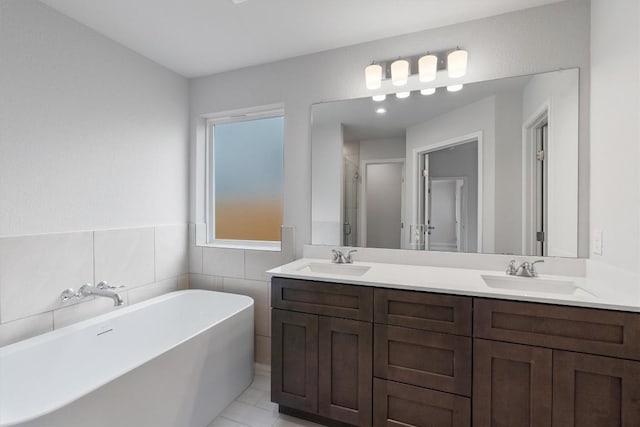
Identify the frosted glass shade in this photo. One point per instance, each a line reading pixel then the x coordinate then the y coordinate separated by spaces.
pixel 373 76
pixel 427 68
pixel 429 91
pixel 454 88
pixel 402 95
pixel 457 63
pixel 379 98
pixel 400 72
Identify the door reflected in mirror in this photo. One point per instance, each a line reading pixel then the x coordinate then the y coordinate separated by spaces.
pixel 489 169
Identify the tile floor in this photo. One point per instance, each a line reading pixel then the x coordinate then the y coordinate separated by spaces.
pixel 253 408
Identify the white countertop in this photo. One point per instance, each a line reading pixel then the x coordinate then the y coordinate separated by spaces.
pixel 461 281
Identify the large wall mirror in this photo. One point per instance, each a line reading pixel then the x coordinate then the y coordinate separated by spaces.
pixel 491 168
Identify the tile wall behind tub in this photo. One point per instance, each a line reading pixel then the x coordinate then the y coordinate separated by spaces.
pixel 241 271
pixel 35 269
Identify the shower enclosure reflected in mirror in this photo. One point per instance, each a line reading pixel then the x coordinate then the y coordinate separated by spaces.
pixel 492 168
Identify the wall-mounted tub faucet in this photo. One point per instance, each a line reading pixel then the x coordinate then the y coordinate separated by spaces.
pixel 102 289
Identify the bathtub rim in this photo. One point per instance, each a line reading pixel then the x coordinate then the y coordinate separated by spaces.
pixel 70 329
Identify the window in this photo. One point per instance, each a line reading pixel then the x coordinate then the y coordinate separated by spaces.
pixel 244 180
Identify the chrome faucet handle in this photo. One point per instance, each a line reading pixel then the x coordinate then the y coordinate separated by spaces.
pixel 348 258
pixel 105 285
pixel 338 256
pixel 69 294
pixel 532 267
pixel 511 268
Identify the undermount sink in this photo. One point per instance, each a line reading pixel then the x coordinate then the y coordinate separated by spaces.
pixel 533 284
pixel 341 269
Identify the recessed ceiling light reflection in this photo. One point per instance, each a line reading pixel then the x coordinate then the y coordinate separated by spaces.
pixel 381 110
pixel 379 98
pixel 402 95
pixel 454 88
pixel 429 91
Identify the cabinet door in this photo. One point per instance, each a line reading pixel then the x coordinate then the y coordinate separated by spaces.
pixel 511 385
pixel 345 370
pixel 595 391
pixel 294 360
pixel 403 405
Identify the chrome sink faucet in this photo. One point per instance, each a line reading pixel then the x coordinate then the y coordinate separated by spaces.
pixel 526 269
pixel 102 289
pixel 340 258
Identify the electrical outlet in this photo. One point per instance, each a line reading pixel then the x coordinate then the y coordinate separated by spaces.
pixel 597 242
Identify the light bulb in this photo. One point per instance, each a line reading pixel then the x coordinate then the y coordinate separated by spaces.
pixel 379 98
pixel 429 91
pixel 373 76
pixel 427 68
pixel 402 95
pixel 400 72
pixel 381 110
pixel 454 88
pixel 457 63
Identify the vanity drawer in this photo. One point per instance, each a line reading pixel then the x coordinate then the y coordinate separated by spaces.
pixel 420 310
pixel 403 405
pixel 327 299
pixel 425 359
pixel 604 332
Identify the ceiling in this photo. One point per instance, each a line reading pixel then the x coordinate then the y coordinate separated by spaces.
pixel 201 37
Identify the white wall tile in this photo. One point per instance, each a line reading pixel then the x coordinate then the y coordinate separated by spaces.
pixel 34 270
pixel 28 327
pixel 202 281
pixel 146 292
pixel 172 250
pixel 288 238
pixel 195 252
pixel 258 262
pixel 85 310
pixel 125 257
pixel 223 262
pixel 183 282
pixel 257 290
pixel 263 349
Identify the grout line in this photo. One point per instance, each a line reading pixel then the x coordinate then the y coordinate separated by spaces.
pixel 155 267
pixel 93 249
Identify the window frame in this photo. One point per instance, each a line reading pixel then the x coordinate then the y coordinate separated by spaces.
pixel 235 116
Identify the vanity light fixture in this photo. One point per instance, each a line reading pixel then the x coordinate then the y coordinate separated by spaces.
pixel 403 95
pixel 457 63
pixel 428 91
pixel 455 88
pixel 379 98
pixel 373 76
pixel 381 110
pixel 399 72
pixel 427 68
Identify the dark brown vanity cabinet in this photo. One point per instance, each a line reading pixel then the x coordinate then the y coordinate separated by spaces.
pixel 560 367
pixel 322 349
pixel 367 356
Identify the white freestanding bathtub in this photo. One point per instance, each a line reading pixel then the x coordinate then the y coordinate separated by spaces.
pixel 175 360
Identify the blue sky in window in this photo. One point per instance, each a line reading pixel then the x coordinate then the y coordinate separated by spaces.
pixel 249 159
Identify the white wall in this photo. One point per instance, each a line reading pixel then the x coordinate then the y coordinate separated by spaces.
pixel 560 92
pixel 327 224
pixel 472 118
pixel 92 137
pixel 498 47
pixel 384 148
pixel 508 212
pixel 615 131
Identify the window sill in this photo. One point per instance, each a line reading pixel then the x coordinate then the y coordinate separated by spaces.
pixel 246 245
